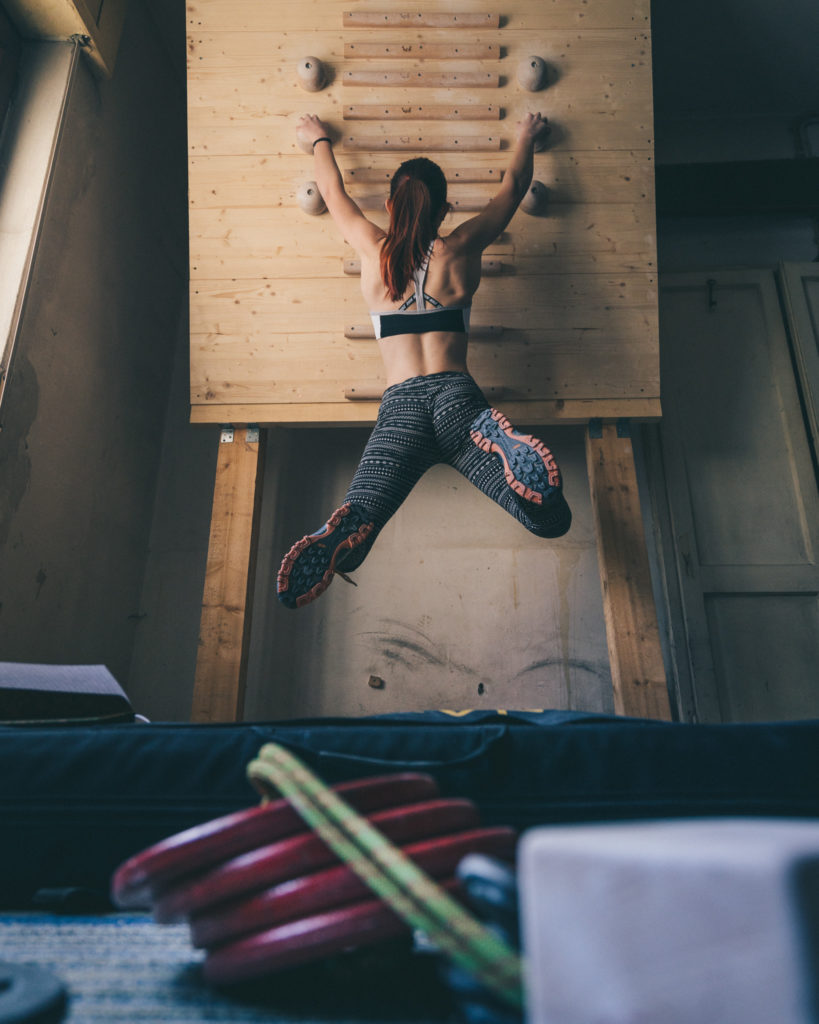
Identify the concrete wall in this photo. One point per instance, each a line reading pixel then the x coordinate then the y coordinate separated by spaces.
pixel 84 415
pixel 457 606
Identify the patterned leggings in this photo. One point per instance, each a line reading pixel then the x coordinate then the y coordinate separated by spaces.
pixel 426 420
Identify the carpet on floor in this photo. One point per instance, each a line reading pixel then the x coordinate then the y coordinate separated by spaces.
pixel 126 969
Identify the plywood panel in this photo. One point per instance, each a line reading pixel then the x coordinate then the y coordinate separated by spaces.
pixel 241 180
pixel 576 293
pixel 242 242
pixel 319 368
pixel 227 15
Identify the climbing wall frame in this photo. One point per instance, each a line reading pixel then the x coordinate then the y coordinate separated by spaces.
pixel 565 327
pixel 565 321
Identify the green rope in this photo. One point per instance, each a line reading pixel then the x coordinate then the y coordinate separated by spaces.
pixel 390 874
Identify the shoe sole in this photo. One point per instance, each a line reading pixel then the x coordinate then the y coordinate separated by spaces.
pixel 524 458
pixel 317 555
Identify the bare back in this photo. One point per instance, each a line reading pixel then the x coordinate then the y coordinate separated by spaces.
pixel 454 270
pixel 453 276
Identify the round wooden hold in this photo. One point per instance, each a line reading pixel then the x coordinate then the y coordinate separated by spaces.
pixel 311 75
pixel 309 199
pixel 534 201
pixel 542 137
pixel 532 74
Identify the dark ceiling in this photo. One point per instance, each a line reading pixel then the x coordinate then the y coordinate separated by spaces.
pixel 729 58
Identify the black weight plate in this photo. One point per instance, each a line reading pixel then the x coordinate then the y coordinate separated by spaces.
pixel 30 995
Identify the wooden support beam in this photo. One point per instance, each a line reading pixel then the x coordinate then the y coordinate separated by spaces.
pixel 637 669
pixel 224 633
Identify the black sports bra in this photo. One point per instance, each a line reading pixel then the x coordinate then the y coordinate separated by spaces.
pixel 422 318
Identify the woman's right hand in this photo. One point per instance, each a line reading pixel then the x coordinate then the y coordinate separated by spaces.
pixel 311 128
pixel 532 126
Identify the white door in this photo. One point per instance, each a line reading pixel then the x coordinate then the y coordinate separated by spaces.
pixel 742 495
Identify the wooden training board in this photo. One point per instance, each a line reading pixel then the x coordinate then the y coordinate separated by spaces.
pixel 277 318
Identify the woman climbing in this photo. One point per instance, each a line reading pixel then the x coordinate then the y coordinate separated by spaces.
pixel 419 285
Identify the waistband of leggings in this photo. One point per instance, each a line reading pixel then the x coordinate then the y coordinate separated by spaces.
pixel 416 385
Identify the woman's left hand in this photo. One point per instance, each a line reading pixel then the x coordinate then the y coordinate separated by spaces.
pixel 311 128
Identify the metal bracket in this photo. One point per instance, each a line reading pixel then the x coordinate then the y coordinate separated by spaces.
pixel 226 437
pixel 624 428
pixel 252 435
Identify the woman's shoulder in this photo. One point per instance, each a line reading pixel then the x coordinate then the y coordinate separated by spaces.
pixel 454 246
pixel 456 243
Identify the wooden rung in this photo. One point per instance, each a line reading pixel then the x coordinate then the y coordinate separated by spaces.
pixel 458 205
pixel 365 50
pixel 489 267
pixel 421 112
pixel 375 78
pixel 373 392
pixel 418 19
pixel 364 393
pixel 365 332
pixel 422 143
pixel 373 175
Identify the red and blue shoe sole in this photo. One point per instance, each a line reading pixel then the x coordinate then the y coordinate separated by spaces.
pixel 308 568
pixel 528 465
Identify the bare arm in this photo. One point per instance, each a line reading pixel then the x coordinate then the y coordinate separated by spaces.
pixel 356 228
pixel 480 231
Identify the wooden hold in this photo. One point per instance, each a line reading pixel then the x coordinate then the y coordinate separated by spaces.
pixel 532 74
pixel 637 668
pixel 309 199
pixel 366 50
pixel 535 200
pixel 224 632
pixel 422 143
pixel 375 77
pixel 364 393
pixel 542 137
pixel 419 19
pixel 420 112
pixel 311 74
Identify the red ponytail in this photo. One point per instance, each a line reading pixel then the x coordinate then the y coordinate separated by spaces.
pixel 408 236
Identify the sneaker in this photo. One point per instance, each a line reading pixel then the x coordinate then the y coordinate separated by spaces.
pixel 308 568
pixel 530 468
